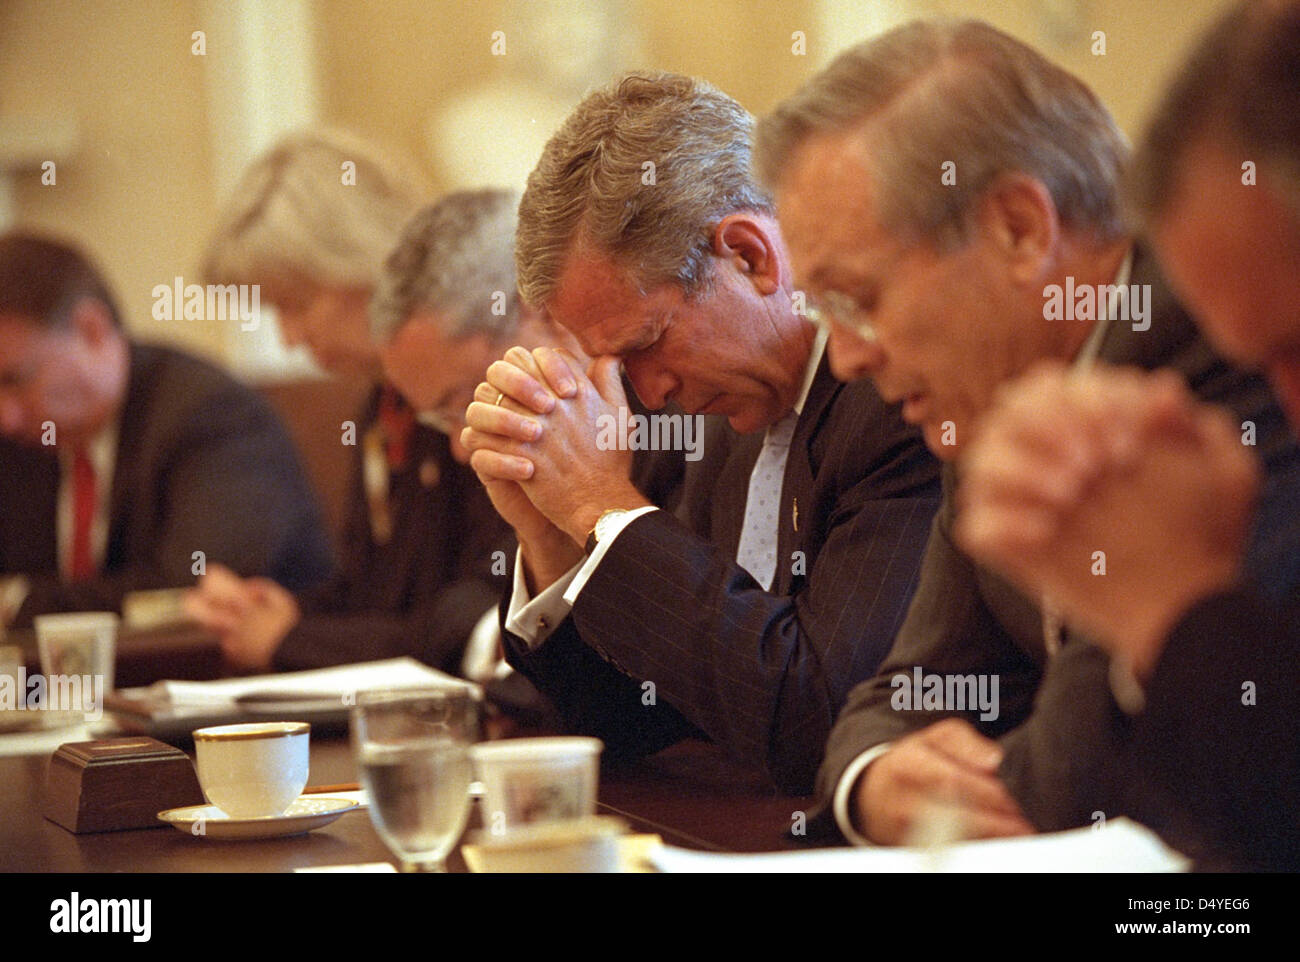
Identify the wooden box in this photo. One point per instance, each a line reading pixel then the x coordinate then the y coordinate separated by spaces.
pixel 117 783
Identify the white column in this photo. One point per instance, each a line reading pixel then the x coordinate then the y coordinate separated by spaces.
pixel 262 83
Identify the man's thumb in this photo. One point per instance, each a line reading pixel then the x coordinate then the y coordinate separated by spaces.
pixel 607 378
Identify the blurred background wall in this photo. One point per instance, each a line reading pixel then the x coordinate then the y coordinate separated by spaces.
pixel 150 108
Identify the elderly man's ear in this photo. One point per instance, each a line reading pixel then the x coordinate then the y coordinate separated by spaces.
pixel 752 244
pixel 1017 214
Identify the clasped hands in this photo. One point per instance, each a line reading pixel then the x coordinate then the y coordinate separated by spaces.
pixel 533 433
pixel 250 616
pixel 1114 493
pixel 1065 466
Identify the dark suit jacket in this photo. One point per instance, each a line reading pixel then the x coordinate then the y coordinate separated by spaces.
pixel 203 464
pixel 1060 761
pixel 761 673
pixel 422 592
pixel 1222 755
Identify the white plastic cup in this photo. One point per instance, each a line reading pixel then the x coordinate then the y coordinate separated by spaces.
pixel 254 770
pixel 531 780
pixel 83 643
pixel 589 844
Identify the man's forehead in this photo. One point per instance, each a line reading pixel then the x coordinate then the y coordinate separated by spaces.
pixel 596 302
pixel 827 205
pixel 1211 180
pixel 421 326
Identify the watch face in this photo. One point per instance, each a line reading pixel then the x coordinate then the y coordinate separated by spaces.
pixel 603 523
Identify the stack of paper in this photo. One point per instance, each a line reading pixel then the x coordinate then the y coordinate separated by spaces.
pixel 322 696
pixel 321 684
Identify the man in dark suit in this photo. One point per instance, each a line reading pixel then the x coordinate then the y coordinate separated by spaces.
pixel 1168 485
pixel 125 466
pixel 748 615
pixel 420 584
pixel 942 288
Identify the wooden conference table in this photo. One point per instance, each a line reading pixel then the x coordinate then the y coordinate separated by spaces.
pixel 689 794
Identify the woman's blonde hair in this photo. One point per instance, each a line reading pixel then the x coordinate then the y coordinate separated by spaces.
pixel 322 205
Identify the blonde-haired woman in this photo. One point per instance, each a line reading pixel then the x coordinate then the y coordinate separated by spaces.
pixel 312 222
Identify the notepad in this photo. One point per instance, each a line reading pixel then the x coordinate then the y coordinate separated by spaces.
pixel 324 683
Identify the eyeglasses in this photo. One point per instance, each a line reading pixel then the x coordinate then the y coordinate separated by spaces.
pixel 449 416
pixel 844 310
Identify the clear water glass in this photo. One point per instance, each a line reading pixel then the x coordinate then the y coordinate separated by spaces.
pixel 412 752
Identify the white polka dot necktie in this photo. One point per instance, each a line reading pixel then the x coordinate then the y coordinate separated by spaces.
pixel 756 552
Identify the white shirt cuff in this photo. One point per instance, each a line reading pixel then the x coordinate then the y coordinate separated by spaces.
pixel 13 592
pixel 533 619
pixel 480 661
pixel 614 526
pixel 844 791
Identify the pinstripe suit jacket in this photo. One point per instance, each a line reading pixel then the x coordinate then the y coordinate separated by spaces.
pixel 671 638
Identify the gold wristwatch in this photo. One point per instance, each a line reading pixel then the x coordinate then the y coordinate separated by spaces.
pixel 599 532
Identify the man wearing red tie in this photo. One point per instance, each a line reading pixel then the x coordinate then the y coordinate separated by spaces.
pixel 126 466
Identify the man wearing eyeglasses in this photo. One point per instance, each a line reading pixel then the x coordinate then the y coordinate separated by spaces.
pixel 952 199
pixel 447 307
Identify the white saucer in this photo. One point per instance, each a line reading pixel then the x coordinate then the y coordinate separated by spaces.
pixel 27 720
pixel 306 813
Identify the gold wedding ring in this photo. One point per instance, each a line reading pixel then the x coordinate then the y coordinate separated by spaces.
pixel 501 396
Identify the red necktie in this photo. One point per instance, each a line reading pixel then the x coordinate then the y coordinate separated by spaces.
pixel 83 514
pixel 397 421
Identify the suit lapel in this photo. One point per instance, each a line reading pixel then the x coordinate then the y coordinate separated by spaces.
pixel 130 449
pixel 30 506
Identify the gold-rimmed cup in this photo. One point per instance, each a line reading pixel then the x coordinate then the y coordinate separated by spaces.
pixel 253 770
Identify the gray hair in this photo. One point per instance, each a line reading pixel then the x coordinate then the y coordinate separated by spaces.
pixel 1241 85
pixel 642 171
pixel 456 259
pixel 964 92
pixel 299 210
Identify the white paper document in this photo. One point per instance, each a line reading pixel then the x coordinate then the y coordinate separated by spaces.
pixel 324 682
pixel 1121 846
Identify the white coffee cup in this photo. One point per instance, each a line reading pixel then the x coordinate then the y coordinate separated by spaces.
pixel 588 844
pixel 531 780
pixel 82 643
pixel 254 770
pixel 11 666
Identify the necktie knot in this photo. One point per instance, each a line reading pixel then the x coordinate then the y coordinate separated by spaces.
pixel 782 432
